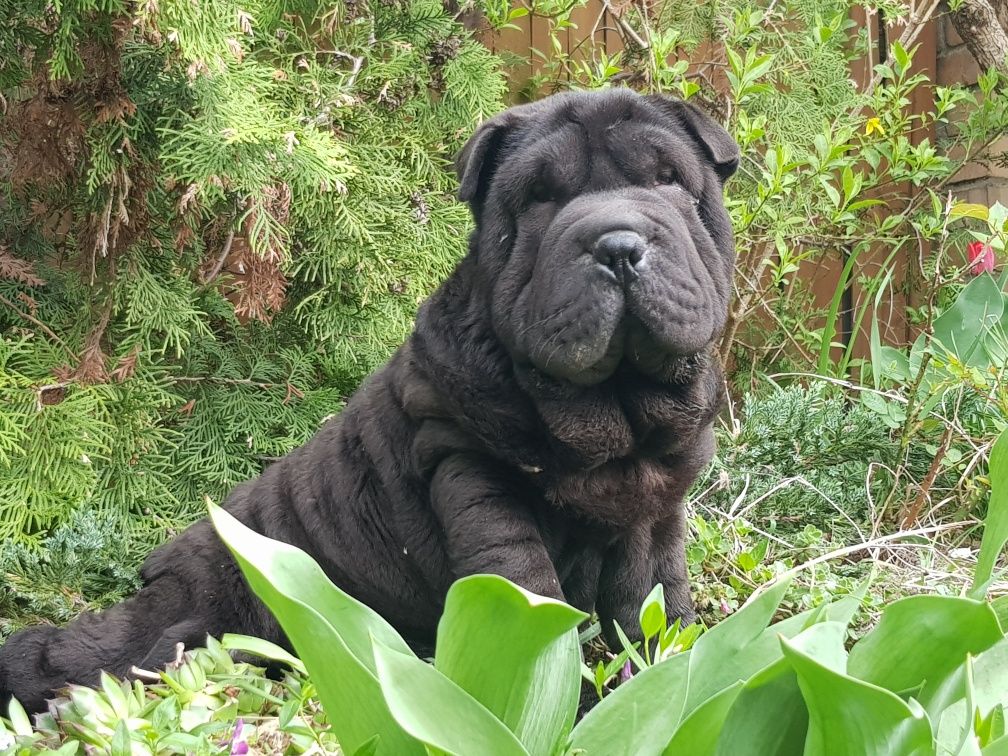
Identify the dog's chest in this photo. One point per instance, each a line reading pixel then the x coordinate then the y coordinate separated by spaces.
pixel 620 492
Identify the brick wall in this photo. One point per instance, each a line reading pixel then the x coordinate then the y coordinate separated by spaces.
pixel 982 184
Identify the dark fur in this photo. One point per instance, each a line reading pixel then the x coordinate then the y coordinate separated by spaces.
pixel 543 422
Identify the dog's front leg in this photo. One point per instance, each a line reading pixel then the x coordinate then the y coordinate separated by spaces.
pixel 489 525
pixel 647 554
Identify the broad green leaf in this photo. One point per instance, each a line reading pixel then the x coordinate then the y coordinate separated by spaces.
pixel 516 653
pixel 652 612
pixel 121 745
pixel 916 354
pixel 640 716
pixel 954 735
pixel 894 364
pixel 324 625
pixel 18 717
pixel 824 642
pixel 901 55
pixel 849 717
pixel 995 342
pixel 114 695
pixel 736 648
pixel 963 327
pixel 996 523
pixel 438 712
pixel 998 748
pixel 968 210
pixel 862 204
pixel 370 748
pixel 1000 607
pixel 990 678
pixel 698 734
pixel 875 338
pixel 769 715
pixel 302 577
pixel 991 727
pixel 759 66
pixel 998 217
pixel 919 644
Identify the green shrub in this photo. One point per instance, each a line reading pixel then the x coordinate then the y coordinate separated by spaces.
pixel 216 218
pixel 81 566
pixel 806 456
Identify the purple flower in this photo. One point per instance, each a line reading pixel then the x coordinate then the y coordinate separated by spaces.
pixel 238 745
pixel 626 673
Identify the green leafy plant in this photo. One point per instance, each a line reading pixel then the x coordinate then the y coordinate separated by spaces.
pixel 929 678
pixel 81 564
pixel 205 703
pixel 908 686
pixel 947 393
pixel 800 456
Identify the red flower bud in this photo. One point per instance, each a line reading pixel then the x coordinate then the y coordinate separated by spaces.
pixel 981 258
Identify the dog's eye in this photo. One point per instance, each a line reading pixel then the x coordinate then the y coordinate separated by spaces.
pixel 540 191
pixel 666 177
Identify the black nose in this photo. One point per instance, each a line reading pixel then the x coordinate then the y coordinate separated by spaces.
pixel 620 251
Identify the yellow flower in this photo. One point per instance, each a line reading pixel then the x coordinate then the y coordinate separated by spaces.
pixel 872 125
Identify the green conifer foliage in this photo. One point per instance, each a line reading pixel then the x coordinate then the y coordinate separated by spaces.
pixel 215 219
pixel 807 456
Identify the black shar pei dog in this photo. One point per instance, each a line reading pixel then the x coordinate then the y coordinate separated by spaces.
pixel 543 422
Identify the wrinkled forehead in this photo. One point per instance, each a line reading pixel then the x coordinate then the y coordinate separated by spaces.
pixel 593 143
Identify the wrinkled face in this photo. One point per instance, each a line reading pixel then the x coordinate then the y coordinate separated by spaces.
pixel 602 231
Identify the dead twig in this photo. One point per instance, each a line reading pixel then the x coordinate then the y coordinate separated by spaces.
pixel 35 321
pixel 911 511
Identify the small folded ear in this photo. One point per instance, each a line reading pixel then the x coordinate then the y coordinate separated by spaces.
pixel 478 159
pixel 718 143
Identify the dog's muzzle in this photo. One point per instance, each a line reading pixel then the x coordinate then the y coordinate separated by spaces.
pixel 620 251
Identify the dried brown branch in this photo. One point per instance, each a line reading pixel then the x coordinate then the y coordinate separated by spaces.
pixel 34 321
pixel 219 265
pixel 912 509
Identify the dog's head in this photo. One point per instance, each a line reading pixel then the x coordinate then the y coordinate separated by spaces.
pixel 601 230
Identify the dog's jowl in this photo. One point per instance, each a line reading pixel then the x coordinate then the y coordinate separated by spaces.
pixel 543 422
